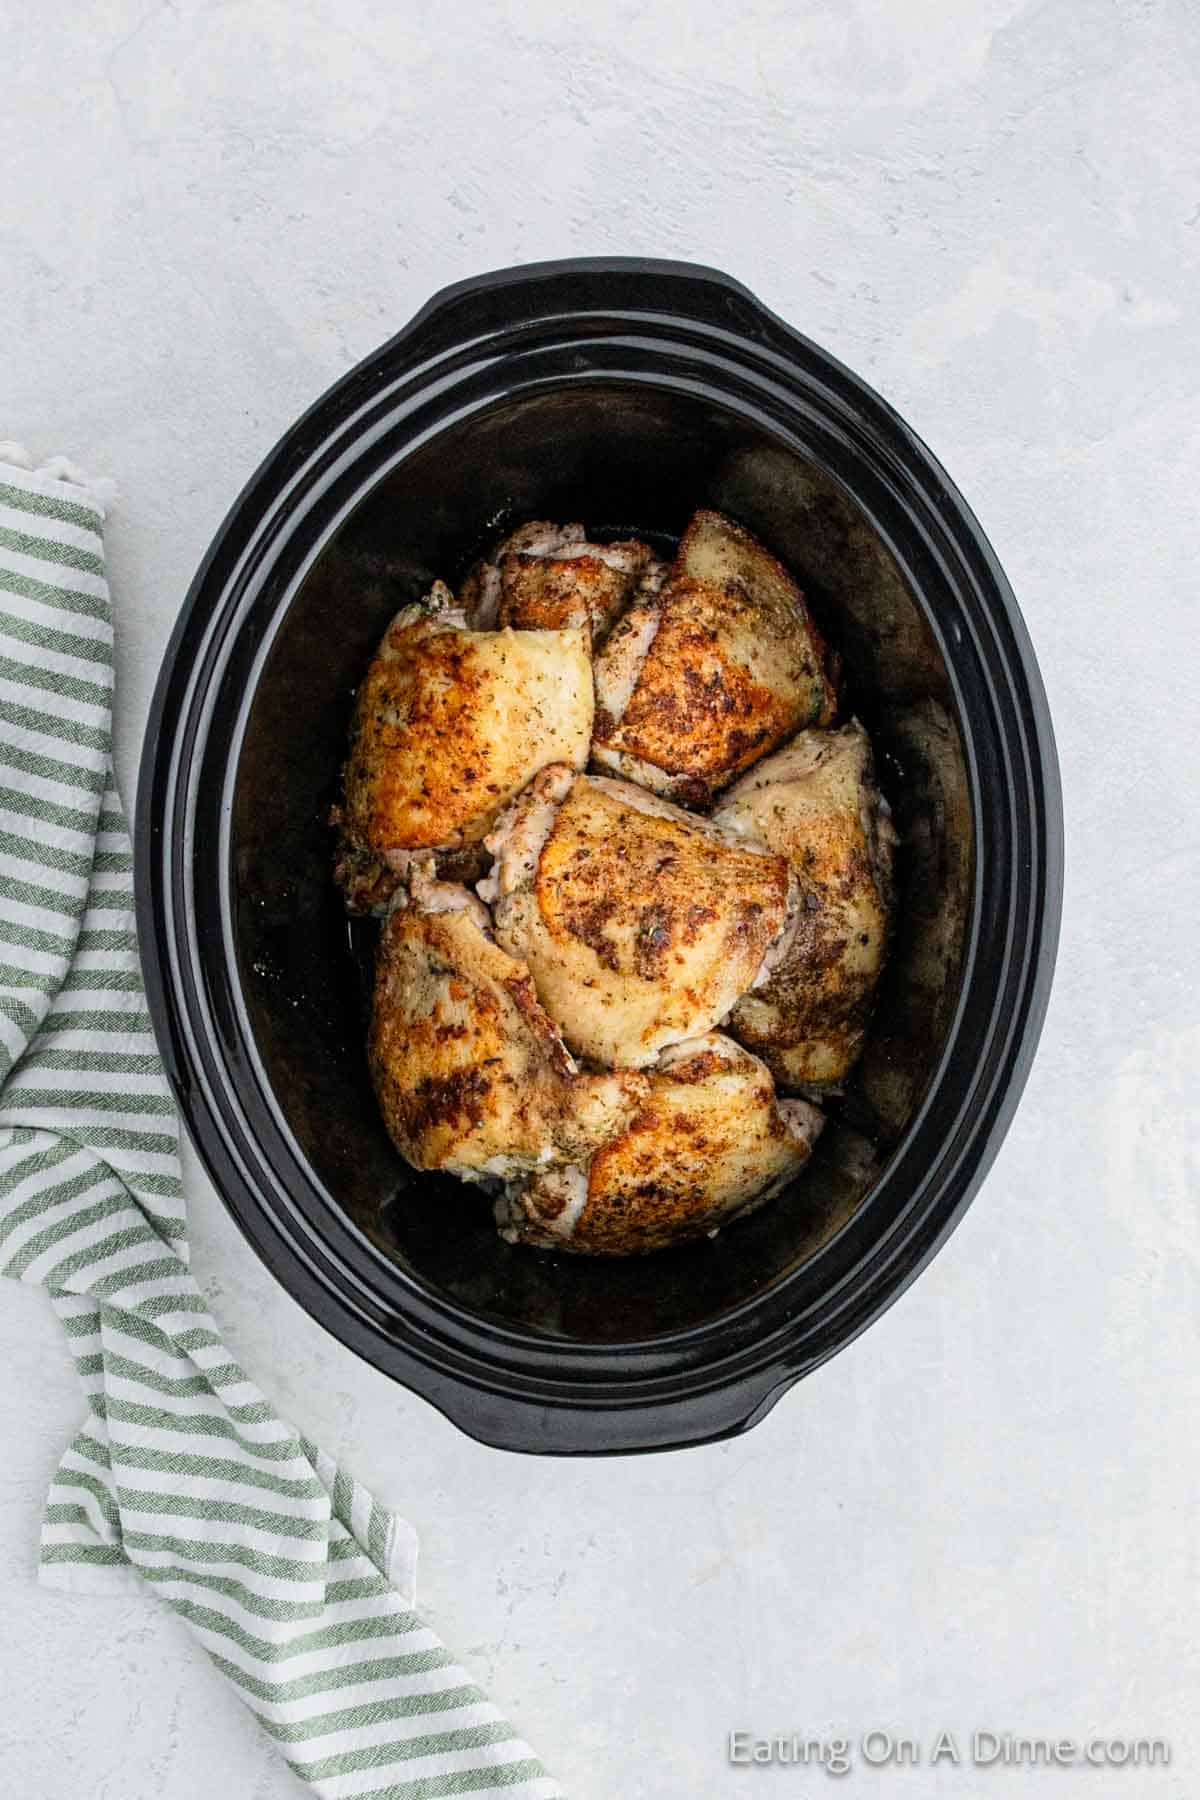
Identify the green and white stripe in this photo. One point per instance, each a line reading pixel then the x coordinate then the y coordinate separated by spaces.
pixel 296 1581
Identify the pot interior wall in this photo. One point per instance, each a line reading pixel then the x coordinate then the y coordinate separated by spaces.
pixel 621 458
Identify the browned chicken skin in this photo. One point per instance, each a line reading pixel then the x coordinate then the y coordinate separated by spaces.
pixel 548 577
pixel 612 924
pixel 641 923
pixel 697 682
pixel 710 1143
pixel 471 1075
pixel 816 803
pixel 448 725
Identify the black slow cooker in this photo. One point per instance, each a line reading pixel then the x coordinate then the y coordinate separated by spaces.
pixel 624 393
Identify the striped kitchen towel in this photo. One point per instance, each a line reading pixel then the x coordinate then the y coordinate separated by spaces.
pixel 297 1583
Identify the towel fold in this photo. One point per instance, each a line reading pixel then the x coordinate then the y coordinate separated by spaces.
pixel 297 1582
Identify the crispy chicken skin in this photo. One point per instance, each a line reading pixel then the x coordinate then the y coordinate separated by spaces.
pixel 710 1143
pixel 471 1075
pixel 548 577
pixel 641 924
pixel 448 725
pixel 698 963
pixel 721 665
pixel 816 803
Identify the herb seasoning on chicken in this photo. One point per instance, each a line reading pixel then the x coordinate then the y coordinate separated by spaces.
pixel 710 1144
pixel 641 923
pixel 472 1077
pixel 547 576
pixel 448 725
pixel 598 1030
pixel 699 680
pixel 817 804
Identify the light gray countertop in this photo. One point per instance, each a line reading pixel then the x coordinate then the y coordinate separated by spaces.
pixel 983 1514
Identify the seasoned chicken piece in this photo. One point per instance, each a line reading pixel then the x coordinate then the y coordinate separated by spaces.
pixel 697 682
pixel 641 924
pixel 448 725
pixel 816 803
pixel 710 1143
pixel 546 577
pixel 471 1075
pixel 481 587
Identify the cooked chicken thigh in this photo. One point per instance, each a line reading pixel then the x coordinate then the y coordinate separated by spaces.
pixel 699 680
pixel 613 925
pixel 710 1143
pixel 816 803
pixel 471 1075
pixel 640 923
pixel 547 577
pixel 448 725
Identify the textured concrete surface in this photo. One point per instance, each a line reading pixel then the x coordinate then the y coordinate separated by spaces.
pixel 984 1513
